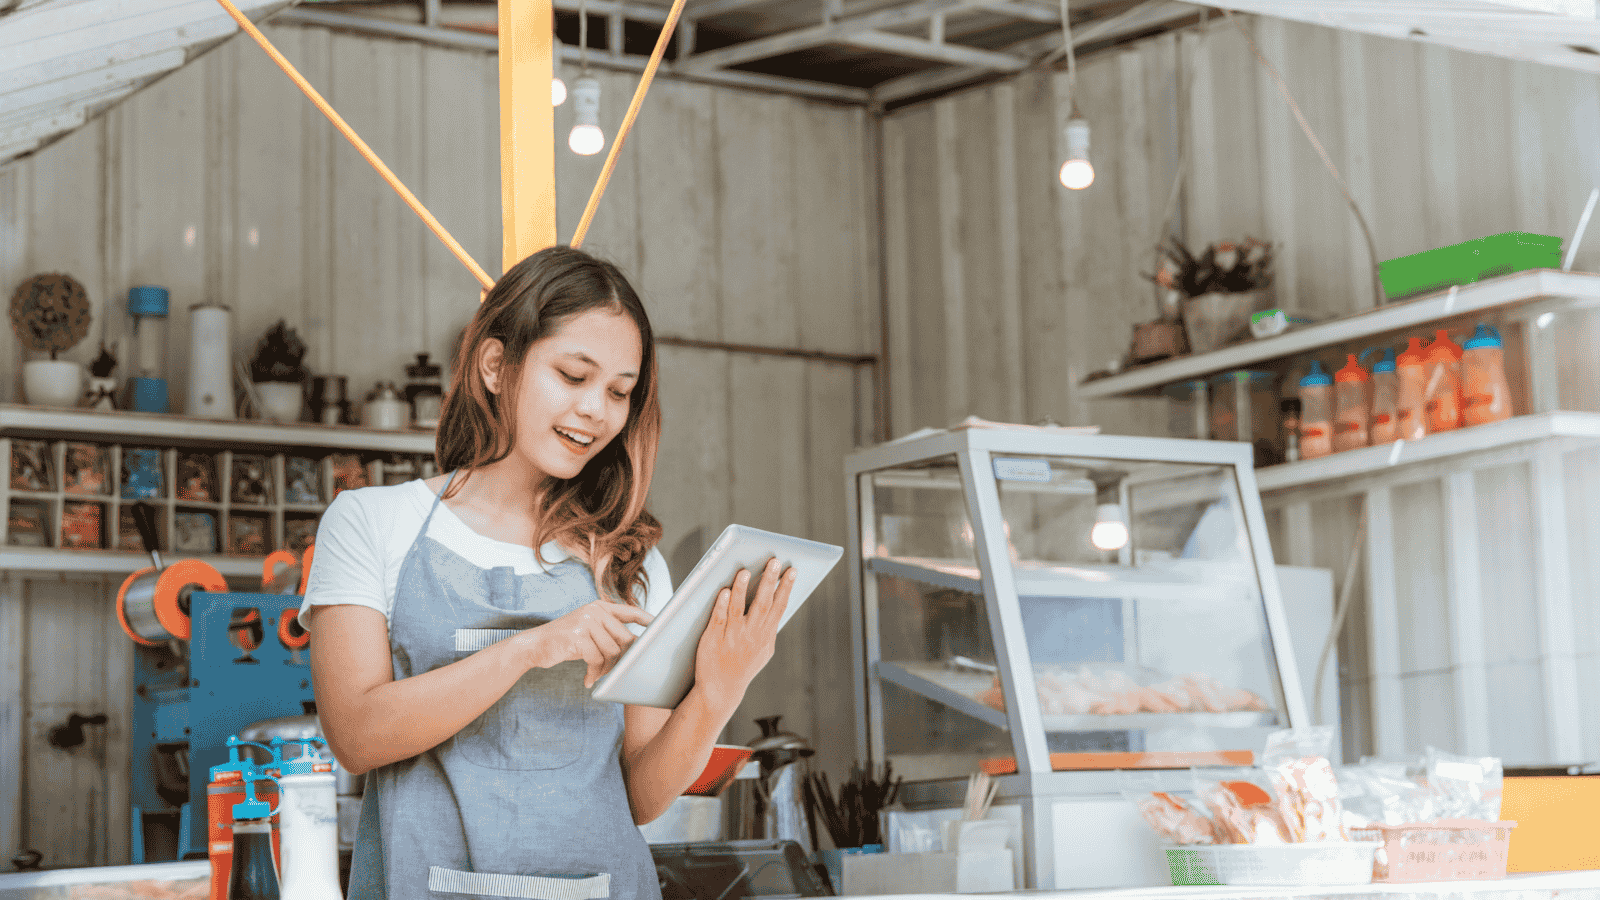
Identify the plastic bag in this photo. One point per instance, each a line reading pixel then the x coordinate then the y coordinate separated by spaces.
pixel 1241 806
pixel 1465 787
pixel 1383 793
pixel 1307 793
pixel 1177 818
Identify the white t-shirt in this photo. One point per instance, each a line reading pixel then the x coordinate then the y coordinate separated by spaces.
pixel 365 534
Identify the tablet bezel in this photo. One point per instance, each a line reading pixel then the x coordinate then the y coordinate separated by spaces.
pixel 657 669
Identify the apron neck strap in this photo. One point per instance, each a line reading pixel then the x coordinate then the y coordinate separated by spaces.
pixel 437 499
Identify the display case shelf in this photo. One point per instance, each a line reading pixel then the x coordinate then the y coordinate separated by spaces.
pixel 1529 293
pixel 959 690
pixel 1040 580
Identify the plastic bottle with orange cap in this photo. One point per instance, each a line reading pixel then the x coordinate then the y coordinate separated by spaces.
pixel 1352 414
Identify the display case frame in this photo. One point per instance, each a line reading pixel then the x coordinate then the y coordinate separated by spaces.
pixel 1035 791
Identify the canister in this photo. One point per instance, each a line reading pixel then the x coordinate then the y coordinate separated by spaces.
pixel 1189 409
pixel 210 362
pixel 1244 407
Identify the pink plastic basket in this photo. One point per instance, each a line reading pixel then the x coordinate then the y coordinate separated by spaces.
pixel 1446 850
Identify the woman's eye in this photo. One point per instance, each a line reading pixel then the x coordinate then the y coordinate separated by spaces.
pixel 620 395
pixel 571 379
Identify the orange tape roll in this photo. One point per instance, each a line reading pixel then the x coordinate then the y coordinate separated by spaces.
pixel 185 573
pixel 290 632
pixel 122 608
pixel 270 566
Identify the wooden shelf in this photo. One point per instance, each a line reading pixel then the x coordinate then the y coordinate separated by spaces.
pixel 960 690
pixel 1577 427
pixel 19 420
pixel 1523 290
pixel 112 562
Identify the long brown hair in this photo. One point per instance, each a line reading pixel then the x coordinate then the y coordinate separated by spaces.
pixel 599 513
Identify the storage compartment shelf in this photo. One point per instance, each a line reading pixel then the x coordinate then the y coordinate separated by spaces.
pixel 1533 291
pixel 111 562
pixel 959 690
pixel 1041 580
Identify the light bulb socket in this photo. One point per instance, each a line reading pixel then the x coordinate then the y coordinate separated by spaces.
pixel 586 100
pixel 1078 138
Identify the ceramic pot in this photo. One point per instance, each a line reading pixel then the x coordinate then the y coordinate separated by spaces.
pixel 100 394
pixel 52 382
pixel 280 400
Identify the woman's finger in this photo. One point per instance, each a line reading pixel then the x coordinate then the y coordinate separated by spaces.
pixel 591 656
pixel 618 631
pixel 741 594
pixel 780 600
pixel 718 625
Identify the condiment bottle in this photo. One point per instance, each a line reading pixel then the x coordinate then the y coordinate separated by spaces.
pixel 1290 407
pixel 1385 400
pixel 1411 377
pixel 1351 414
pixel 309 825
pixel 1316 413
pixel 1441 396
pixel 253 875
pixel 226 789
pixel 1485 395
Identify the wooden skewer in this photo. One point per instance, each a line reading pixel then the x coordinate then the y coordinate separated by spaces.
pixel 338 121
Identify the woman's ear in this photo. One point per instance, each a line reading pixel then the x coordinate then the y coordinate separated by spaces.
pixel 490 358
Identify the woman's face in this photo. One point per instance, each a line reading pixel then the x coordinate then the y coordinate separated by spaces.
pixel 574 391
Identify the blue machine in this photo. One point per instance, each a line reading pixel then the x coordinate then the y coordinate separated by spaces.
pixel 184 711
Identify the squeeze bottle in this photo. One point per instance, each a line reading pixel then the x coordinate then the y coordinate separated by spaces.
pixel 1316 413
pixel 1485 395
pixel 1351 414
pixel 1385 417
pixel 309 824
pixel 226 789
pixel 253 875
pixel 1411 377
pixel 1441 396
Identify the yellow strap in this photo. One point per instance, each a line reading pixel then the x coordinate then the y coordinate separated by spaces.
pixel 361 146
pixel 627 120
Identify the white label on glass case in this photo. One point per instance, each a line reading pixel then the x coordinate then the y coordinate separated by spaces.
pixel 1021 469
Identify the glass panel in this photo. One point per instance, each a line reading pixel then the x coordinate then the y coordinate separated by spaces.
pixel 941 701
pixel 921 513
pixel 1141 610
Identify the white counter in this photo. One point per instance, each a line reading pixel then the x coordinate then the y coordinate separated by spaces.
pixel 1541 886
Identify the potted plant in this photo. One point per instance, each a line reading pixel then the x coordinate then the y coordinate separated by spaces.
pixel 102 384
pixel 278 372
pixel 50 314
pixel 1219 288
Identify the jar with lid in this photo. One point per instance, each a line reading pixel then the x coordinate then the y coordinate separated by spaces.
pixel 424 391
pixel 385 408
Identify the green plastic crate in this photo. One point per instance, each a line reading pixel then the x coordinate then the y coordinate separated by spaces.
pixel 1467 262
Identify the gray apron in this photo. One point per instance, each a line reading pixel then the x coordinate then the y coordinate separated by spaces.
pixel 527 800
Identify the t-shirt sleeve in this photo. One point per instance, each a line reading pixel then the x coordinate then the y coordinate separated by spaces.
pixel 660 590
pixel 348 566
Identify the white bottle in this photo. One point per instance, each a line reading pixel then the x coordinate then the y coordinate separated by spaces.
pixel 308 826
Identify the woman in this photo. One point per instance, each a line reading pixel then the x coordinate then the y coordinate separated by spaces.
pixel 452 660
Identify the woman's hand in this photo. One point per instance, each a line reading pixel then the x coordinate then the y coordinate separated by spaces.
pixel 595 633
pixel 737 642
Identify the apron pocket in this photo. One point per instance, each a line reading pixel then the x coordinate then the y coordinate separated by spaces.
pixel 527 887
pixel 538 724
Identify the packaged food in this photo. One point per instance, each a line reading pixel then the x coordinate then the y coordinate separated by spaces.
pixel 1307 793
pixel 82 525
pixel 1465 787
pixel 30 466
pixel 251 481
pixel 197 478
pixel 86 469
pixel 1241 806
pixel 27 524
pixel 1176 820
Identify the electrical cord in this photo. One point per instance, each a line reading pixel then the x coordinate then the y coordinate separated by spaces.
pixel 1283 88
pixel 1340 610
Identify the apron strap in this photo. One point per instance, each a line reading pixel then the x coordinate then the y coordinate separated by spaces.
pixel 437 499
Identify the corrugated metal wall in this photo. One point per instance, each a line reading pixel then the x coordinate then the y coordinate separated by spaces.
pixel 742 217
pixel 1005 291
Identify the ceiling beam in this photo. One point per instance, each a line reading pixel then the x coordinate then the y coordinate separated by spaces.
pixel 820 35
pixel 954 54
pixel 470 40
pixel 95 80
pixel 713 8
pixel 1146 16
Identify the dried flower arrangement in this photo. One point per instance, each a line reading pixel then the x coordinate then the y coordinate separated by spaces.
pixel 1224 267
pixel 50 313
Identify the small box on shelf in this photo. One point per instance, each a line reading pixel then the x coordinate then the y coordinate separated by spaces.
pixel 31 468
pixel 86 469
pixel 83 525
pixel 249 534
pixel 194 531
pixel 28 523
pixel 197 478
pixel 250 481
pixel 142 474
pixel 302 480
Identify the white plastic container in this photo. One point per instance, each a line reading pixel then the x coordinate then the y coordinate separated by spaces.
pixel 1342 862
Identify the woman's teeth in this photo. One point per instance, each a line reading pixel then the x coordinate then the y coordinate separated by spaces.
pixel 578 439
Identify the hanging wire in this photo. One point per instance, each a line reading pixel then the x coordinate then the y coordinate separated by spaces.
pixel 1283 88
pixel 583 37
pixel 1072 58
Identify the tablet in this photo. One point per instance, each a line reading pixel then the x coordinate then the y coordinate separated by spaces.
pixel 658 668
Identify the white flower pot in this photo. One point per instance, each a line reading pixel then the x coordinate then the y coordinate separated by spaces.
pixel 52 382
pixel 279 400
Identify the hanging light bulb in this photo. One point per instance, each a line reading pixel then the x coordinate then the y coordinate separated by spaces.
pixel 586 138
pixel 558 91
pixel 1110 530
pixel 1077 172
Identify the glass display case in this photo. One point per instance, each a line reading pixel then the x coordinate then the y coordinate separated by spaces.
pixel 1050 606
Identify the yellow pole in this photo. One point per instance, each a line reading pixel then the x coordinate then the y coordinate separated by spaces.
pixel 527 128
